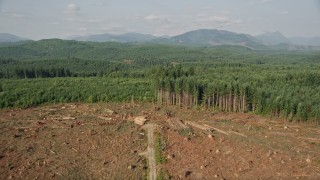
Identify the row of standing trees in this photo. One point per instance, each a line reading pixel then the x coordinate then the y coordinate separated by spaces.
pixel 41 72
pixel 186 91
pixel 177 86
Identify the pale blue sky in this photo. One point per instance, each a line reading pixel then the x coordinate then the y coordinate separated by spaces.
pixel 39 19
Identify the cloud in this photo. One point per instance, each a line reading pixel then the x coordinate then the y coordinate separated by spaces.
pixel 153 18
pixel 17 15
pixel 83 29
pixel 55 23
pixel 114 29
pixel 214 16
pixel 94 20
pixel 218 20
pixel 72 9
pixel 285 12
pixel 156 18
pixel 99 4
pixel 264 1
pixel 215 19
pixel 71 19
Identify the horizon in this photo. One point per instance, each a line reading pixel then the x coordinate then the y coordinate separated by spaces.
pixel 35 20
pixel 156 36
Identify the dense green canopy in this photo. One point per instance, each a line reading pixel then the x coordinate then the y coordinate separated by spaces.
pixel 226 78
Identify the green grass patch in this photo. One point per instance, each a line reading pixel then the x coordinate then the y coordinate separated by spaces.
pixel 160 144
pixel 163 175
pixel 145 169
pixel 186 132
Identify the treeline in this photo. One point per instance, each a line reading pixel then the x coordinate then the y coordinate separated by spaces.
pixel 42 73
pixel 294 101
pixel 10 68
pixel 45 73
pixel 63 72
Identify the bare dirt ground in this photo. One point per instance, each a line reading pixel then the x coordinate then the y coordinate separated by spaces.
pixel 100 141
pixel 69 141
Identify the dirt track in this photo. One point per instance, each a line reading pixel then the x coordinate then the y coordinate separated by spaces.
pixel 150 152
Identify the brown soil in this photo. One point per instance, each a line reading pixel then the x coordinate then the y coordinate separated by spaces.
pixel 90 141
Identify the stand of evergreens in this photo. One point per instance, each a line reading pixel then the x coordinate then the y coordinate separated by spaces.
pixel 290 93
pixel 274 83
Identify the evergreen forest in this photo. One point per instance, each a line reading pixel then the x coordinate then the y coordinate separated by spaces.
pixel 276 83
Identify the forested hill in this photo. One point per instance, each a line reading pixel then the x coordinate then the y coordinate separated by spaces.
pixel 91 58
pixel 113 51
pixel 68 49
pixel 211 37
pixel 56 57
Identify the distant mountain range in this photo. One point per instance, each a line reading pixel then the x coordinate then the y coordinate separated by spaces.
pixel 276 38
pixel 124 38
pixel 9 38
pixel 273 38
pixel 213 37
pixel 306 41
pixel 202 37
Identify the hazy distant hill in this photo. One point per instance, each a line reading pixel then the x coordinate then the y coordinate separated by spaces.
pixel 5 37
pixel 128 37
pixel 273 38
pixel 57 49
pixel 213 37
pixel 290 47
pixel 44 48
pixel 315 41
pixel 197 38
pixel 202 37
pixel 210 37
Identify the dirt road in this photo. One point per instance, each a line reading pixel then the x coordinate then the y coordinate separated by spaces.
pixel 150 152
